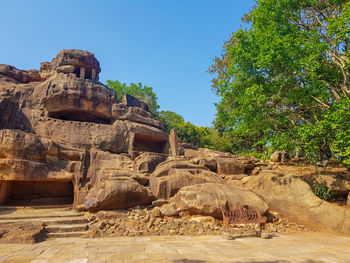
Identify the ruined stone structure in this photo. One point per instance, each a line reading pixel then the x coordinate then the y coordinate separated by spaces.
pixel 60 123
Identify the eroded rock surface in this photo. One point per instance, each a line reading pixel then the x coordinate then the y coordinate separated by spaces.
pixel 294 199
pixel 60 129
pixel 65 138
pixel 210 198
pixel 23 233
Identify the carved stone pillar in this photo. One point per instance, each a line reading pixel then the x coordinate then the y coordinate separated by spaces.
pixel 82 73
pixel 174 143
pixel 93 74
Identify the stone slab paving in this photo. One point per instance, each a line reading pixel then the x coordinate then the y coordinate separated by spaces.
pixel 305 247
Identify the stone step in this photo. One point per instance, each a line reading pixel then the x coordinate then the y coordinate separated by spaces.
pixel 37 216
pixel 64 207
pixel 73 220
pixel 66 228
pixel 48 221
pixel 65 234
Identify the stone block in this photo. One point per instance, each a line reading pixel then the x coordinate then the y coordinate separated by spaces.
pixel 227 236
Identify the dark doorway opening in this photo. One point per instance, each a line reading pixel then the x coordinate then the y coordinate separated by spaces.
pixel 79 115
pixel 147 143
pixel 36 193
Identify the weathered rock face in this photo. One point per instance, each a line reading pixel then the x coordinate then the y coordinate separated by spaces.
pixel 339 184
pixel 177 178
pixel 25 156
pixel 294 199
pixel 228 166
pixel 148 162
pixel 71 98
pixel 66 139
pixel 24 233
pixel 62 138
pixel 117 193
pixel 210 198
pixel 132 113
pixel 20 76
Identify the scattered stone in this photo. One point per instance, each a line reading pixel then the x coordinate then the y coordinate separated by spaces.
pixel 227 236
pixel 169 210
pixel 160 202
pixel 156 212
pixel 265 235
pixel 203 219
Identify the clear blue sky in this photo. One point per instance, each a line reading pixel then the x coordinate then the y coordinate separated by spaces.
pixel 165 44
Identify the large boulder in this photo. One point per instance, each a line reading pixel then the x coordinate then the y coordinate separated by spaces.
pixel 173 174
pixel 147 162
pixel 117 193
pixel 167 186
pixel 229 166
pixel 71 98
pixel 123 112
pixel 210 198
pixel 294 199
pixel 76 58
pixel 164 168
pixel 22 233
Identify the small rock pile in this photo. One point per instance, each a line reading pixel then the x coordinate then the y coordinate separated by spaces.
pixel 151 221
pixel 144 222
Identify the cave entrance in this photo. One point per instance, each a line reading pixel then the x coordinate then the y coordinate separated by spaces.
pixel 28 193
pixel 148 143
pixel 79 115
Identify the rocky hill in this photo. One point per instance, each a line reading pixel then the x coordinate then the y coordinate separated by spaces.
pixel 66 138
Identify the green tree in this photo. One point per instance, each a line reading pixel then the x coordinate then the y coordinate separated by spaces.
pixel 170 120
pixel 188 132
pixel 140 91
pixel 284 74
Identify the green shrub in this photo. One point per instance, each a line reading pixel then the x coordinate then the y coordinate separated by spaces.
pixel 323 191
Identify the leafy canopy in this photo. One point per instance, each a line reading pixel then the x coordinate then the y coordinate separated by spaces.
pixel 140 91
pixel 284 76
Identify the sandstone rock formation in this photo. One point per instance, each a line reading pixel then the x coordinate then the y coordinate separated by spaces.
pixel 210 198
pixel 65 137
pixel 339 184
pixel 24 233
pixel 171 176
pixel 294 199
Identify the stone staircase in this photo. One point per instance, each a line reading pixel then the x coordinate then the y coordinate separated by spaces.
pixel 60 221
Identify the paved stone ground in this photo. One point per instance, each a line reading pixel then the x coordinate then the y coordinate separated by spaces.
pixel 306 247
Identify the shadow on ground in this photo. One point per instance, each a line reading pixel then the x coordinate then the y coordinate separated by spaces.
pixel 185 260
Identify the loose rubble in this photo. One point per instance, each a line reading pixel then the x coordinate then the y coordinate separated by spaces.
pixel 150 221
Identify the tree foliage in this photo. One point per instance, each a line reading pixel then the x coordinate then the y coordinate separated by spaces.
pixel 186 131
pixel 170 120
pixel 140 91
pixel 283 78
